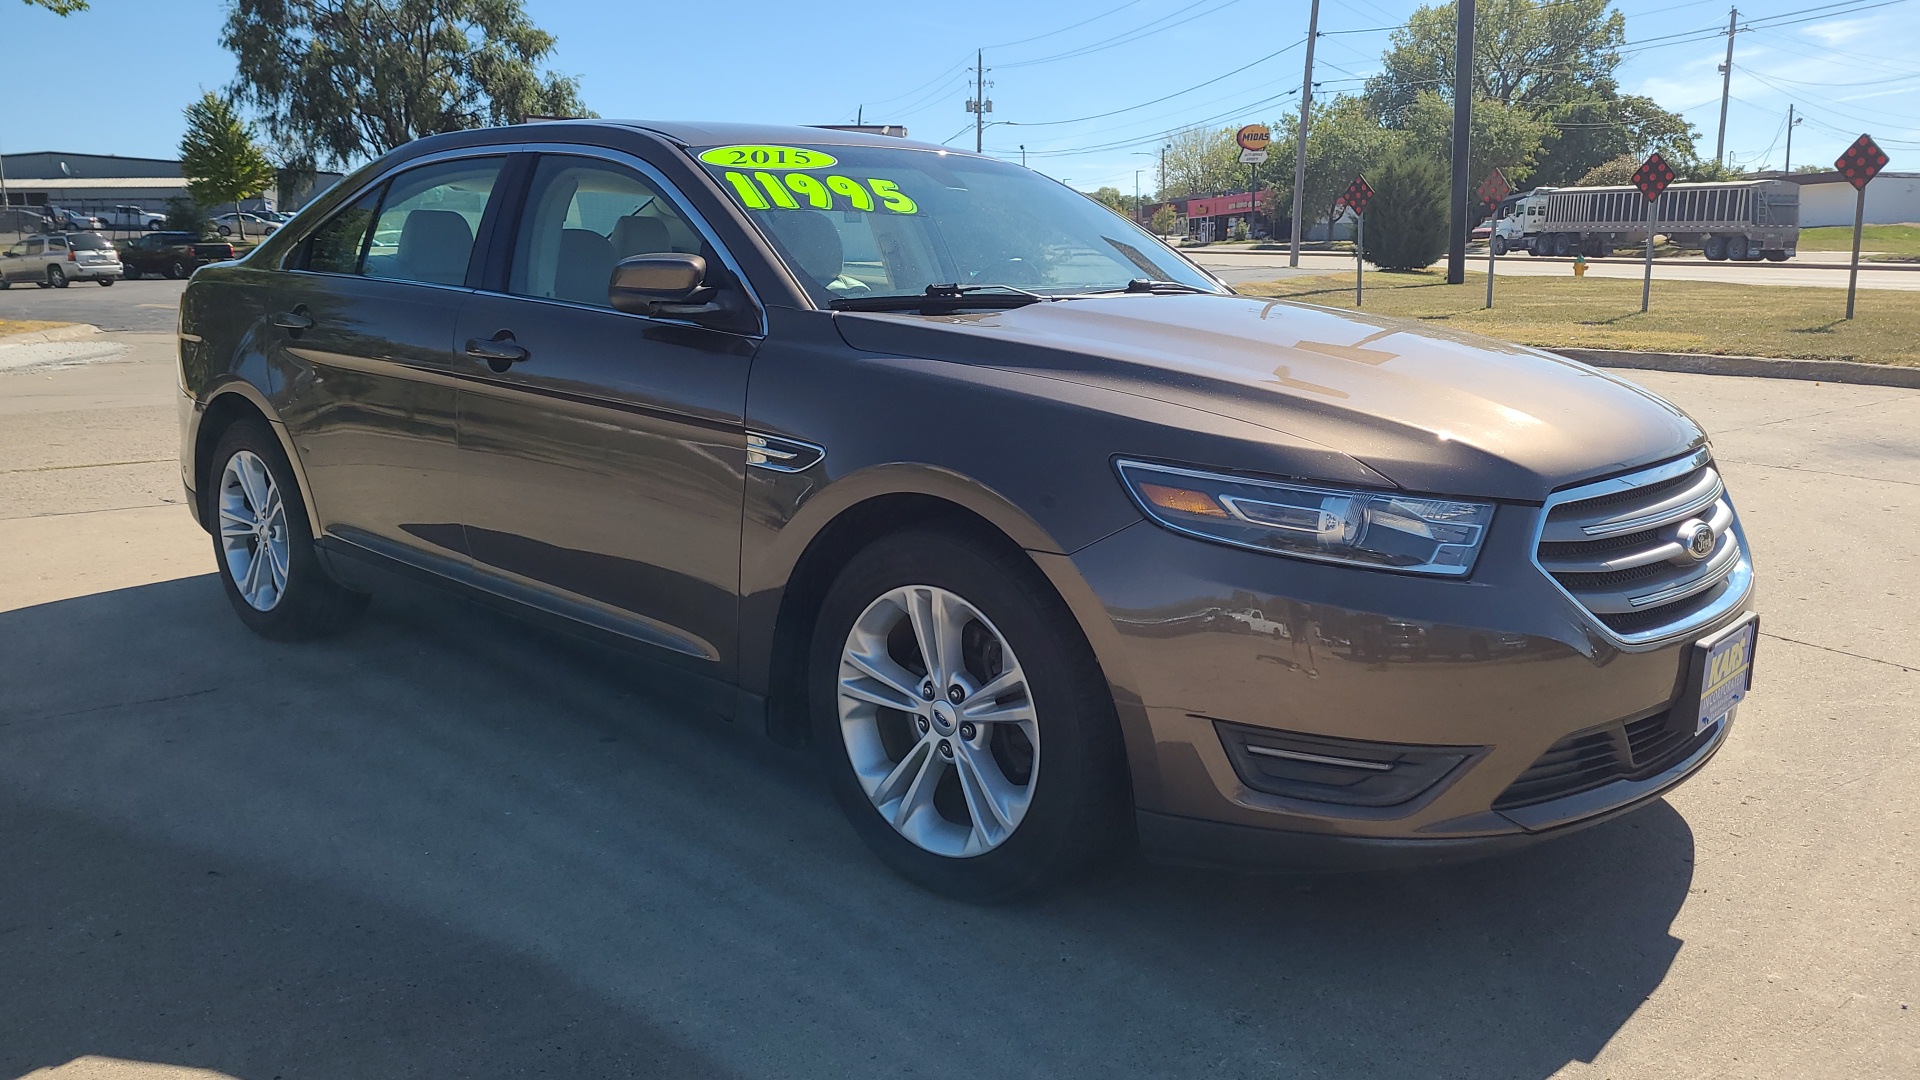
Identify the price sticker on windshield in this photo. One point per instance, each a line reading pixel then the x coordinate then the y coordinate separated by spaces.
pixel 782 178
pixel 758 156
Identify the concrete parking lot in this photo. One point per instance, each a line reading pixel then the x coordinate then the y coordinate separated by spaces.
pixel 448 844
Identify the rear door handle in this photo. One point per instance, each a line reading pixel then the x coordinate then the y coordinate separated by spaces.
pixel 499 351
pixel 293 320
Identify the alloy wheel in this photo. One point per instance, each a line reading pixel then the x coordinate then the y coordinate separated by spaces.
pixel 253 531
pixel 938 721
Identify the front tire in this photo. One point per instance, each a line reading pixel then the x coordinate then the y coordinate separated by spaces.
pixel 1499 245
pixel 962 721
pixel 263 543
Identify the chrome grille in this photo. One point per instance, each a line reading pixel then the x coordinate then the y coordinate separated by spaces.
pixel 1631 551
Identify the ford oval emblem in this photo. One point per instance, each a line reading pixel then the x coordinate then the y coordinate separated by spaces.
pixel 1701 541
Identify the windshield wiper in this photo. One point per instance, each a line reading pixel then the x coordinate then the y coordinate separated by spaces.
pixel 942 296
pixel 1153 285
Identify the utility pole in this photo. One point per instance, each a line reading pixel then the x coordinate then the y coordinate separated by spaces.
pixel 1300 134
pixel 1136 196
pixel 978 105
pixel 1726 85
pixel 1462 143
pixel 1791 124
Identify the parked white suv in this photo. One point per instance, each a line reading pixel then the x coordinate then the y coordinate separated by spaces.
pixel 55 260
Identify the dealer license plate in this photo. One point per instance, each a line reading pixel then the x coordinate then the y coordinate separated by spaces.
pixel 1726 676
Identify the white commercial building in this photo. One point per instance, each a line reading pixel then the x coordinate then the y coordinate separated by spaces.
pixel 1827 199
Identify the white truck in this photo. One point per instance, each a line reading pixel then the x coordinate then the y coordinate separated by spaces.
pixel 130 217
pixel 1743 220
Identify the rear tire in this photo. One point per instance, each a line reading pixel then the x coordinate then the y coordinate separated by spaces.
pixel 106 281
pixel 1736 248
pixel 933 761
pixel 263 543
pixel 57 277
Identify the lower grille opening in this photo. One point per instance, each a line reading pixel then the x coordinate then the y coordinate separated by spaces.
pixel 1622 750
pixel 1347 772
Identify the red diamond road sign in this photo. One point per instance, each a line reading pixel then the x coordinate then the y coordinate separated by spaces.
pixel 1862 161
pixel 1653 176
pixel 1493 189
pixel 1357 196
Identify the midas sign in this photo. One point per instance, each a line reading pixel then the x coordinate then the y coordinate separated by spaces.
pixel 1253 137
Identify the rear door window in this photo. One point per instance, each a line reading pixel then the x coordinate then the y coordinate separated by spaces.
pixel 428 220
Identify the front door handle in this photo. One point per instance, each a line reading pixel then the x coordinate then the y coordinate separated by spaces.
pixel 499 351
pixel 293 320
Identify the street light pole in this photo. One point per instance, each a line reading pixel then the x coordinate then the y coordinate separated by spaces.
pixel 1300 135
pixel 1136 196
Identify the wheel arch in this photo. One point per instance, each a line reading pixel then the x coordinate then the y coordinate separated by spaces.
pixel 835 525
pixel 229 403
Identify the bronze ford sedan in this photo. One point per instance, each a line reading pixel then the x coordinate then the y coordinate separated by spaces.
pixel 1046 541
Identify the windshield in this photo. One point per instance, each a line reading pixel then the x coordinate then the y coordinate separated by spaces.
pixel 870 221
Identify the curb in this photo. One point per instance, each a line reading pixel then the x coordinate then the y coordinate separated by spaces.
pixel 1761 367
pixel 70 332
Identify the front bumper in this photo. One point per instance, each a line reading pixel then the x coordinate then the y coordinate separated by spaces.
pixel 1200 639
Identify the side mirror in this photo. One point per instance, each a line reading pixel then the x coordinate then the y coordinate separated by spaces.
pixel 668 283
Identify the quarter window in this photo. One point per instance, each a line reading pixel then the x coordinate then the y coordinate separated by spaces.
pixel 582 218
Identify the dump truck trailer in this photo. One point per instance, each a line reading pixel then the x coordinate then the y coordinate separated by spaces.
pixel 1744 220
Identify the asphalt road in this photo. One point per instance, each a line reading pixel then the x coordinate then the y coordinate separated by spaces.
pixel 151 304
pixel 450 845
pixel 1238 266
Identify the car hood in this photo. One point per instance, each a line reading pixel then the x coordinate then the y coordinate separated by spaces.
pixel 1431 410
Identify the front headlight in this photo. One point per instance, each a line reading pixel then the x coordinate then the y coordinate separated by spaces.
pixel 1362 528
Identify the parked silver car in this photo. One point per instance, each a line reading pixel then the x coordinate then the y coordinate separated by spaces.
pixel 55 260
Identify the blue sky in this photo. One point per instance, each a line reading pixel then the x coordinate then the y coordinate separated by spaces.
pixel 115 79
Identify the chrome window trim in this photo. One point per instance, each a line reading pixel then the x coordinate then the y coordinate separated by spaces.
pixel 1739 577
pixel 586 150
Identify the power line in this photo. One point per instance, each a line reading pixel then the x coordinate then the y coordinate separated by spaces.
pixel 1158 100
pixel 1126 37
pixel 1075 26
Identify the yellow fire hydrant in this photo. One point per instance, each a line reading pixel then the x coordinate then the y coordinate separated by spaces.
pixel 1579 266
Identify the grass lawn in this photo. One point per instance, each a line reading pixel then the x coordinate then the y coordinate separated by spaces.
pixel 25 326
pixel 1903 240
pixel 1604 313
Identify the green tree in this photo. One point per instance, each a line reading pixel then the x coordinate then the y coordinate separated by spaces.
pixel 339 81
pixel 185 215
pixel 1612 173
pixel 1553 60
pixel 1165 219
pixel 1110 196
pixel 1202 162
pixel 1525 52
pixel 1406 226
pixel 1344 139
pixel 60 7
pixel 1507 137
pixel 221 161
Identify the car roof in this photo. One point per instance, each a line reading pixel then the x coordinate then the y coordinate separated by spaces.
pixel 721 133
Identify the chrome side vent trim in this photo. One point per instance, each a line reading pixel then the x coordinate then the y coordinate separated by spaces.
pixel 1648 556
pixel 779 454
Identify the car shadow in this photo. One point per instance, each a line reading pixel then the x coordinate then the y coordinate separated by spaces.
pixel 449 843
